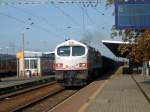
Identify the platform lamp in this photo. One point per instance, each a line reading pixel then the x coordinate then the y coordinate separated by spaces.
pixel 23 47
pixel 23 53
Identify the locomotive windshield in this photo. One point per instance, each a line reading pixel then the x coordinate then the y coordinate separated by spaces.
pixel 78 51
pixel 64 51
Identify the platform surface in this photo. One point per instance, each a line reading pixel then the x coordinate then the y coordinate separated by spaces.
pixel 121 94
pixel 11 81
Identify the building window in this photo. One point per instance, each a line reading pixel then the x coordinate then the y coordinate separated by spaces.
pixel 33 64
pixel 26 64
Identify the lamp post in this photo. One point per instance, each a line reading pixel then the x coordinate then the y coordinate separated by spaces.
pixel 0 57
pixel 0 61
pixel 23 60
pixel 23 47
pixel 7 58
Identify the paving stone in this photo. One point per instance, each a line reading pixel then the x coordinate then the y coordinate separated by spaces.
pixel 121 94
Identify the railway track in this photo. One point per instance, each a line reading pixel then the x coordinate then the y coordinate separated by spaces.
pixel 47 103
pixel 24 85
pixel 19 101
pixel 24 90
pixel 40 99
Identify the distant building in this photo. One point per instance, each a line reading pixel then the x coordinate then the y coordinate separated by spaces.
pixel 35 63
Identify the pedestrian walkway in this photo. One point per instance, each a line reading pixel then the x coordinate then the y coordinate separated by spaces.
pixel 121 94
pixel 144 83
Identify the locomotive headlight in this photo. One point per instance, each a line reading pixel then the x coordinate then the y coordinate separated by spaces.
pixel 83 65
pixel 59 65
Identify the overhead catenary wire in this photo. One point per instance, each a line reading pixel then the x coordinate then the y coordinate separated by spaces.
pixel 84 10
pixel 90 18
pixel 12 17
pixel 83 19
pixel 98 11
pixel 38 18
pixel 85 3
pixel 65 14
pixel 85 13
pixel 24 22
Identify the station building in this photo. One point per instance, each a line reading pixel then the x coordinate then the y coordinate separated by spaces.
pixel 32 64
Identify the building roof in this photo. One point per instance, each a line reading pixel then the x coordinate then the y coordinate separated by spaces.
pixel 33 54
pixel 113 47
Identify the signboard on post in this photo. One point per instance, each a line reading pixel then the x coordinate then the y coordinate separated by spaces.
pixel 132 15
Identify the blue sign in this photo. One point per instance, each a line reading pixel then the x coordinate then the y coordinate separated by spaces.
pixel 132 15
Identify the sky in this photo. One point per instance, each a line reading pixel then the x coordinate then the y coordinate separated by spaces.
pixel 47 24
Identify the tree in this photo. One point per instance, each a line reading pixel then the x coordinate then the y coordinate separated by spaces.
pixel 139 48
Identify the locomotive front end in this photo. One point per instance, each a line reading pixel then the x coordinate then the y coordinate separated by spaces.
pixel 71 63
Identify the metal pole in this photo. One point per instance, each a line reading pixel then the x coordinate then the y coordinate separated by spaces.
pixel 23 62
pixel 7 59
pixel 0 61
pixel 17 69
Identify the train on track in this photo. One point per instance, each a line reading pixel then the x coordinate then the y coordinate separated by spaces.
pixel 8 65
pixel 77 64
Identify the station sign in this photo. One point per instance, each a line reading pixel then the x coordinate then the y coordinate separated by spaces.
pixel 132 15
pixel 20 55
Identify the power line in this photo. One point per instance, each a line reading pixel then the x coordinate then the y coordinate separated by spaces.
pixel 11 17
pixel 89 17
pixel 85 3
pixel 98 11
pixel 86 13
pixel 24 22
pixel 91 20
pixel 39 18
pixel 83 19
pixel 67 15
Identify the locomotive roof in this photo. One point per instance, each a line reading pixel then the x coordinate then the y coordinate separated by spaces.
pixel 74 42
pixel 71 43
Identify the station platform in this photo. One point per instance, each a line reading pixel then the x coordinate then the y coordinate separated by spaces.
pixel 122 93
pixel 12 81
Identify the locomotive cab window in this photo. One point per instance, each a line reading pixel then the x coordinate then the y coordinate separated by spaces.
pixel 78 50
pixel 64 51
